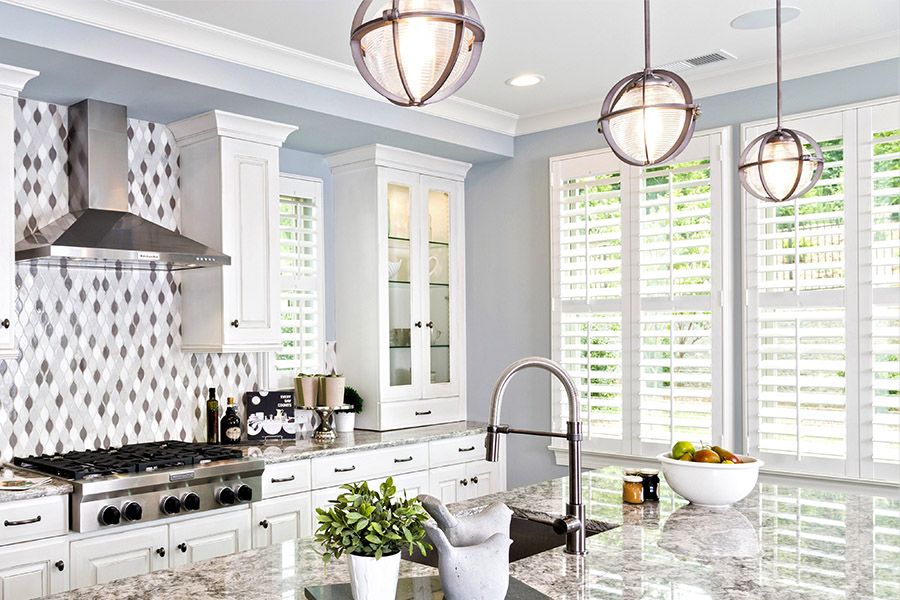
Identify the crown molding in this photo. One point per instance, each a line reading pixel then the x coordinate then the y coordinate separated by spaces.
pixel 397 158
pixel 154 25
pixel 834 58
pixel 218 123
pixel 13 79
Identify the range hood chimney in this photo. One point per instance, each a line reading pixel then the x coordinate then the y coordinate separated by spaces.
pixel 99 231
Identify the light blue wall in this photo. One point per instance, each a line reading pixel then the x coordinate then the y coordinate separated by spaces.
pixel 508 249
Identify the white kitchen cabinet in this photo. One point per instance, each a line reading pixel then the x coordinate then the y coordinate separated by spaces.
pixel 412 484
pixel 203 538
pixel 33 519
pixel 281 519
pixel 399 240
pixel 455 483
pixel 484 478
pixel 229 201
pixel 118 555
pixel 34 569
pixel 12 80
pixel 446 483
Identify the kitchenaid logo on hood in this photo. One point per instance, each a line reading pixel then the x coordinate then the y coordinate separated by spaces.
pixel 148 255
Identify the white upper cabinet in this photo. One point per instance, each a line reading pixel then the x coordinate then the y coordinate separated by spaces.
pixel 399 277
pixel 229 201
pixel 12 80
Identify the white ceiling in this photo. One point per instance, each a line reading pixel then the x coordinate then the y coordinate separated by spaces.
pixel 582 47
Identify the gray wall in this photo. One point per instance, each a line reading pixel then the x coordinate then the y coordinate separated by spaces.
pixel 508 249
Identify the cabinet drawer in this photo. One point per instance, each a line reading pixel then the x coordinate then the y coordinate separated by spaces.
pixel 286 478
pixel 33 519
pixel 357 466
pixel 454 451
pixel 400 415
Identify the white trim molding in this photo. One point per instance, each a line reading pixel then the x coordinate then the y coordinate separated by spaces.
pixel 217 123
pixel 13 79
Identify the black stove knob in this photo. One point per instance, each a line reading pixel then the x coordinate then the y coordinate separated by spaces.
pixel 132 511
pixel 170 505
pixel 110 515
pixel 190 501
pixel 225 496
pixel 244 492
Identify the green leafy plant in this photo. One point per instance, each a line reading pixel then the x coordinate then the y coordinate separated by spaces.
pixel 372 523
pixel 352 397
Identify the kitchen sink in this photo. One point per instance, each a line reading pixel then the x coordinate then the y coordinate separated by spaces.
pixel 529 538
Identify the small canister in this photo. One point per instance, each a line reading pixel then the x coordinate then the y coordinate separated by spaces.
pixel 650 481
pixel 633 489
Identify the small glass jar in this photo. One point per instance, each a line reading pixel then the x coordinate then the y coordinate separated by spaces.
pixel 632 472
pixel 650 480
pixel 633 490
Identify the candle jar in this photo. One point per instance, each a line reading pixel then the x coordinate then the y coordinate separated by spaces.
pixel 650 482
pixel 633 490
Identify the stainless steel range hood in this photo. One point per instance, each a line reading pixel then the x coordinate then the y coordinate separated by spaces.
pixel 99 231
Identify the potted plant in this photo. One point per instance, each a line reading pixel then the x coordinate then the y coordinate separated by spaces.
pixel 371 526
pixel 332 392
pixel 345 418
pixel 306 386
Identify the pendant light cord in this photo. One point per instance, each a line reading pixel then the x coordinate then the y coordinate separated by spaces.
pixel 647 35
pixel 778 59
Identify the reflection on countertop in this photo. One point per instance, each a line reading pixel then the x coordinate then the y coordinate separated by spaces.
pixel 305 447
pixel 781 542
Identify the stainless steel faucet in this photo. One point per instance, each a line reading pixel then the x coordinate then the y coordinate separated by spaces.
pixel 573 524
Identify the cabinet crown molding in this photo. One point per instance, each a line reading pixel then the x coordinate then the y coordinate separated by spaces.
pixel 397 158
pixel 13 79
pixel 218 123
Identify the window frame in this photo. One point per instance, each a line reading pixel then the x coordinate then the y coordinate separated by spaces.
pixel 858 463
pixel 720 302
pixel 299 186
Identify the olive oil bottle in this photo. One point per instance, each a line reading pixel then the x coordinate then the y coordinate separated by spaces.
pixel 231 425
pixel 212 418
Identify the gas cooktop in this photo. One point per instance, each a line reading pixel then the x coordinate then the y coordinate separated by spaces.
pixel 134 458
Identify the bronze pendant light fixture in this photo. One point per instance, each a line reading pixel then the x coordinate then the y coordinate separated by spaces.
pixel 416 52
pixel 775 166
pixel 648 117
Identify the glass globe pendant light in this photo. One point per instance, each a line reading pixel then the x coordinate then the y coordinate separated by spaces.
pixel 648 117
pixel 775 166
pixel 416 52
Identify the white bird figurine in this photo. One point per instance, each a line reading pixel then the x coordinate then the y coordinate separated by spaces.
pixel 479 572
pixel 470 529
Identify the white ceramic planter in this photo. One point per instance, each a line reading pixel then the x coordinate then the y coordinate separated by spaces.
pixel 372 579
pixel 332 391
pixel 344 422
pixel 307 391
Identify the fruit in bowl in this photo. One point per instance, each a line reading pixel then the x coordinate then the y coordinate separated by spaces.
pixel 711 476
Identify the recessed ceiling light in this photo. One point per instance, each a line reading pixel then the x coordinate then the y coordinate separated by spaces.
pixel 765 18
pixel 525 80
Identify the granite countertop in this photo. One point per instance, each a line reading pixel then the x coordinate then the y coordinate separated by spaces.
pixel 796 542
pixel 54 487
pixel 286 451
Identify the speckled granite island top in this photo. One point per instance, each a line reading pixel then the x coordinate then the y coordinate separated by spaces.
pixel 360 440
pixel 54 487
pixel 781 543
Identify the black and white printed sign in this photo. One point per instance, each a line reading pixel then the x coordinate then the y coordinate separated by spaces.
pixel 270 415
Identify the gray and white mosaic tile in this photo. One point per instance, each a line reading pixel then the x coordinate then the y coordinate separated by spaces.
pixel 99 350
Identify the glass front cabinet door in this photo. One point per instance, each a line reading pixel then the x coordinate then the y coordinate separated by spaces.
pixel 413 345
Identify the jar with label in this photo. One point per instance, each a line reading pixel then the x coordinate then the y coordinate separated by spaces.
pixel 650 479
pixel 633 489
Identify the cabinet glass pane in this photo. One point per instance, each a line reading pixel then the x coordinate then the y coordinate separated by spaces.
pixel 399 288
pixel 439 284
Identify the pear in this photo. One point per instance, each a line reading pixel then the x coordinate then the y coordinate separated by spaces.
pixel 726 455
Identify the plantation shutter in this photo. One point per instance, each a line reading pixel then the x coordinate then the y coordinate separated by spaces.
pixel 300 249
pixel 822 278
pixel 638 300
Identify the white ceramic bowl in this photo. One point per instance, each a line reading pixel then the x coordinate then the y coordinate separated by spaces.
pixel 711 484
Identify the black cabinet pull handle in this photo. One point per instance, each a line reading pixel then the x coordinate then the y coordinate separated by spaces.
pixel 60 565
pixel 430 324
pixel 403 460
pixel 182 546
pixel 475 479
pixel 347 470
pixel 464 481
pixel 37 519
pixel 419 324
pixel 161 551
pixel 5 323
pixel 423 413
pixel 469 449
pixel 264 524
pixel 282 479
pixel 235 323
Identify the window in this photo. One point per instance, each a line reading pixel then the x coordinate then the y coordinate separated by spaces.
pixel 302 295
pixel 639 309
pixel 822 276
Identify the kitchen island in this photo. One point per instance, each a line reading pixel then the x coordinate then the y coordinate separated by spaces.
pixel 780 542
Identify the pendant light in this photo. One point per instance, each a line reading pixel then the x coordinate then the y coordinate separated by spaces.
pixel 416 52
pixel 775 166
pixel 648 117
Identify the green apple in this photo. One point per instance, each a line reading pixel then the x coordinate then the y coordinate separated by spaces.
pixel 682 448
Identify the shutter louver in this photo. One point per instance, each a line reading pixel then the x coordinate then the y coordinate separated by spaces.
pixel 886 209
pixel 886 385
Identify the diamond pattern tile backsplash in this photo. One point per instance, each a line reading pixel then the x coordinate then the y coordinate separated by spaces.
pixel 99 350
